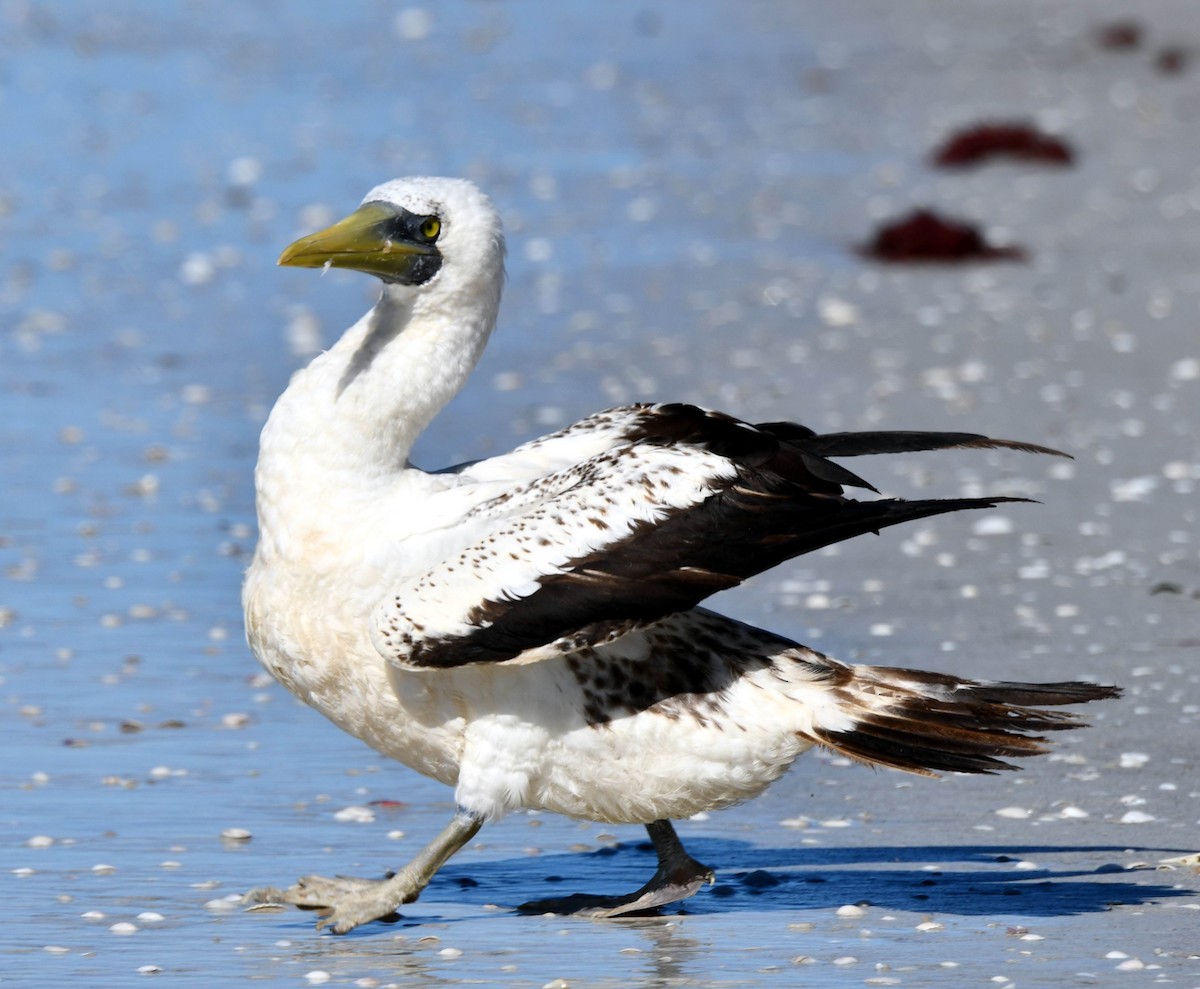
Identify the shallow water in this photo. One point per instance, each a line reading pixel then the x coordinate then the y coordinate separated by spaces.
pixel 684 187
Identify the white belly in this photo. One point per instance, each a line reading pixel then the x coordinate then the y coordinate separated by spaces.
pixel 510 737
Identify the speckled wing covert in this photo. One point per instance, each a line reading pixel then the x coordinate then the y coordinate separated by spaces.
pixel 656 508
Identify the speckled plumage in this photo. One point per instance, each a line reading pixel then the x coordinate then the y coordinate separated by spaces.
pixel 525 628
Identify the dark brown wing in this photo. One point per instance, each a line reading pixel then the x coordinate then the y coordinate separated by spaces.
pixel 762 495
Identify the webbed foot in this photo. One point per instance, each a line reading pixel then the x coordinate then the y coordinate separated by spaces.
pixel 347 902
pixel 678 877
pixel 343 902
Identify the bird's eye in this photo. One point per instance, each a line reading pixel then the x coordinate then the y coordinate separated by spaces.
pixel 431 226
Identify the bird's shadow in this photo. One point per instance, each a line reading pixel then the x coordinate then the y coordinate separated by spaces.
pixel 968 880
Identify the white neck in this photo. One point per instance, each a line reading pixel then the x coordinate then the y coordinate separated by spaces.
pixel 372 394
pixel 350 418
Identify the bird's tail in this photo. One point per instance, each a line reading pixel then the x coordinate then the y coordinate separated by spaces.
pixel 929 722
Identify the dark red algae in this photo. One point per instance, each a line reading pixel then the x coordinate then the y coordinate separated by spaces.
pixel 1172 61
pixel 1120 36
pixel 1017 141
pixel 925 237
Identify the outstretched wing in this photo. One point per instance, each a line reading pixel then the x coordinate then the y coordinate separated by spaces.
pixel 679 503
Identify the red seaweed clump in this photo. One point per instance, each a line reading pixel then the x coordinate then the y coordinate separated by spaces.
pixel 1172 61
pixel 1020 141
pixel 1120 36
pixel 923 236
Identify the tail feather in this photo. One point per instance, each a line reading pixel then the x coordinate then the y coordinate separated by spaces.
pixel 928 722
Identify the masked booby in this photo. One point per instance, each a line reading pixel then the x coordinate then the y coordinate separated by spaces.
pixel 526 629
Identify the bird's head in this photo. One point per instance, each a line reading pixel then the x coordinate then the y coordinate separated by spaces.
pixel 414 232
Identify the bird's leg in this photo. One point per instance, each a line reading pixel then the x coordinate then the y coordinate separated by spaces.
pixel 345 902
pixel 678 876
